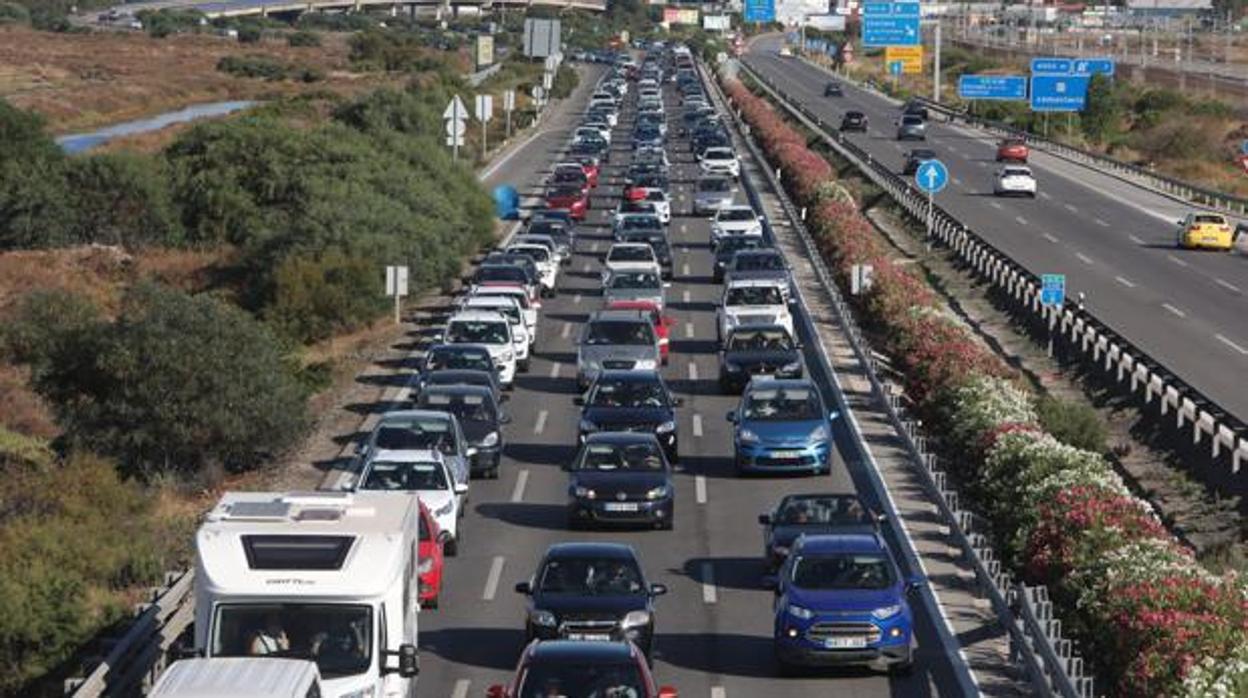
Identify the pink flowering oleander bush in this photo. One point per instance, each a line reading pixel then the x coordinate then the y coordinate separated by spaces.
pixel 1147 616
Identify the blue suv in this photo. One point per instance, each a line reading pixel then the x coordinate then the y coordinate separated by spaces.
pixel 782 426
pixel 841 600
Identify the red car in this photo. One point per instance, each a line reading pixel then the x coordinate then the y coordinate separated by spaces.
pixel 430 555
pixel 576 668
pixel 571 199
pixel 570 174
pixel 589 165
pixel 1012 150
pixel 662 323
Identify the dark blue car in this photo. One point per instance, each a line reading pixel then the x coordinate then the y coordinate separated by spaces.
pixel 782 426
pixel 841 600
pixel 631 401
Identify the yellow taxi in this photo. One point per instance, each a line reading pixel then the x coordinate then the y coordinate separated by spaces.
pixel 1206 230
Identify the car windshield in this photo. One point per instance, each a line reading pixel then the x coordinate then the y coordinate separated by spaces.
pixel 759 262
pixel 656 195
pixel 635 280
pixel 652 181
pixel 338 637
pixel 440 360
pixel 754 295
pixel 607 576
pixel 568 176
pixel 714 185
pixel 1017 172
pixel 613 333
pixel 501 272
pixel 466 406
pixel 459 378
pixel 596 680
pixel 718 154
pixel 735 214
pixel 477 332
pixel 760 340
pixel 545 228
pixel 537 252
pixel 630 253
pixel 411 477
pixel 629 393
pixel 640 222
pixel 911 120
pixel 782 405
pixel 417 435
pixel 644 456
pixel 823 511
pixel 842 571
pixel 1209 218
pixel 923 154
pixel 735 243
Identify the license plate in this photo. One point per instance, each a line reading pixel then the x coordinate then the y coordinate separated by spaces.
pixel 621 506
pixel 596 637
pixel 844 643
pixel 786 454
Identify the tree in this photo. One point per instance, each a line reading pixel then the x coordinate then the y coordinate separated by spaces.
pixel 1102 116
pixel 124 199
pixel 34 206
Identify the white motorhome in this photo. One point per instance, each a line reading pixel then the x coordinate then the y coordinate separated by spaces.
pixel 325 576
pixel 239 677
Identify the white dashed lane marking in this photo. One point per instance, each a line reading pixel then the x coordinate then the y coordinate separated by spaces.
pixel 693 371
pixel 688 330
pixel 1102 223
pixel 1227 285
pixel 567 329
pixel 709 594
pixel 697 425
pixel 1135 239
pixel 1049 237
pixel 1176 260
pixel 1125 282
pixel 1083 258
pixel 699 487
pixel 1174 310
pixel 522 480
pixel 461 688
pixel 541 422
pixel 1231 344
pixel 491 580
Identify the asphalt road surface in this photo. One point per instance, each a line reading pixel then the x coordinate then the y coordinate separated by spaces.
pixel 714 626
pixel 1115 242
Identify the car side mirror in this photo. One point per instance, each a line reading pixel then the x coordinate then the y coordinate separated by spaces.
pixel 444 537
pixel 731 417
pixel 409 662
pixel 658 589
pixel 772 582
pixel 678 401
pixel 361 448
pixel 668 692
pixel 578 400
pixel 524 588
pixel 833 416
pixel 437 337
pixel 504 418
pixel 764 519
pixel 915 583
pixel 461 488
pixel 496 691
pixel 471 451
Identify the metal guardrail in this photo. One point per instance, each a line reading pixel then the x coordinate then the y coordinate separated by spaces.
pixel 140 654
pixel 1036 644
pixel 1075 328
pixel 990 579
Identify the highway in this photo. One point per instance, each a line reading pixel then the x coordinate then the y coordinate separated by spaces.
pixel 239 8
pixel 714 626
pixel 1114 241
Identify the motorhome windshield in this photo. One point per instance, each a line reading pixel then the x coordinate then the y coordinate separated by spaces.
pixel 338 637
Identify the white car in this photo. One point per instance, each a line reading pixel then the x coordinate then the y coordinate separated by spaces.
pixel 527 309
pixel 786 52
pixel 546 262
pixel 752 302
pixel 491 329
pixel 627 208
pixel 522 341
pixel 720 161
pixel 425 474
pixel 662 204
pixel 735 220
pixel 1015 180
pixel 628 255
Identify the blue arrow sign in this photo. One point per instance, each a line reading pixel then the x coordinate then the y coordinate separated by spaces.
pixel 896 68
pixel 1052 289
pixel 1059 92
pixel 1093 66
pixel 932 176
pixel 890 31
pixel 1003 87
pixel 1051 66
pixel 760 10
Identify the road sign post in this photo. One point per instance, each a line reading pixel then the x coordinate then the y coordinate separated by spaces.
pixel 485 111
pixel 396 285
pixel 509 105
pixel 931 176
pixel 455 115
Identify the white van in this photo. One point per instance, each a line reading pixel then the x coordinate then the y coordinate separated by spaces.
pixel 326 576
pixel 239 677
pixel 491 329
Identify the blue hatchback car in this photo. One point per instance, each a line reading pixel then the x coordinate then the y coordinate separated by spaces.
pixel 782 426
pixel 841 600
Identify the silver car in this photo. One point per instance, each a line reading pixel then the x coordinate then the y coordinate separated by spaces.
pixel 415 430
pixel 911 127
pixel 713 193
pixel 635 285
pixel 615 339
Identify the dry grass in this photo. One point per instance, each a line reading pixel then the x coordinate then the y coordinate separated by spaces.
pixel 84 81
pixel 21 410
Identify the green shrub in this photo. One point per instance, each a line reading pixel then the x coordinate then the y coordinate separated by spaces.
pixel 253 67
pixel 309 74
pixel 13 13
pixel 35 208
pixel 303 38
pixel 564 83
pixel 316 296
pixel 344 22
pixel 395 50
pixel 175 383
pixel 250 34
pixel 163 22
pixel 124 199
pixel 1073 423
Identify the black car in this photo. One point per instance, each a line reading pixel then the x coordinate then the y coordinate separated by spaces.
pixel 753 350
pixel 914 108
pixel 620 477
pixel 631 401
pixel 812 514
pixel 833 89
pixel 711 140
pixel 647 135
pixel 915 157
pixel 462 376
pixel 590 591
pixel 598 149
pixel 515 259
pixel 764 263
pixel 729 246
pixel 479 416
pixel 453 357
pixel 505 273
pixel 658 242
pixel 854 121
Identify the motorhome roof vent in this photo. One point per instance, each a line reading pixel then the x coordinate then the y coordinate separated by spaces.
pixel 275 510
pixel 269 552
pixel 314 514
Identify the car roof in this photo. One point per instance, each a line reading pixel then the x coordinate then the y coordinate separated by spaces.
pixel 594 548
pixel 621 437
pixel 626 375
pixel 842 543
pixel 753 283
pixel 475 315
pixel 781 383
pixel 588 652
pixel 639 305
pixel 619 315
pixel 456 389
pixel 459 349
pixel 423 455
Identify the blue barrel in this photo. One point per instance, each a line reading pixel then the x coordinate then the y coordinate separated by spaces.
pixel 507 202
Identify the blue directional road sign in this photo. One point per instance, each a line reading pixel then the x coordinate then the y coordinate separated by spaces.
pixel 1001 87
pixel 1052 289
pixel 891 24
pixel 932 176
pixel 760 10
pixel 1059 92
pixel 1051 66
pixel 1093 66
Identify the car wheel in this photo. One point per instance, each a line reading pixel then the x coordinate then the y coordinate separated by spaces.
pixel 431 603
pixel 451 547
pixel 905 667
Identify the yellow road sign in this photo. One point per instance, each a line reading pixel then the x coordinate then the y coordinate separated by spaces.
pixel 911 58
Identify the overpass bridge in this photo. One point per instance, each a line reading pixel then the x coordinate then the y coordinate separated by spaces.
pixel 214 9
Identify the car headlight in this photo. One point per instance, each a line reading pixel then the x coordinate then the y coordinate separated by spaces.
pixel 819 434
pixel 732 368
pixel 747 436
pixel 886 611
pixel 508 355
pixel 657 493
pixel 584 492
pixel 491 439
pixel 425 565
pixel 781 550
pixel 587 426
pixel 666 427
pixel 794 366
pixel 635 619
pixel 445 509
pixel 366 692
pixel 540 617
pixel 799 612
